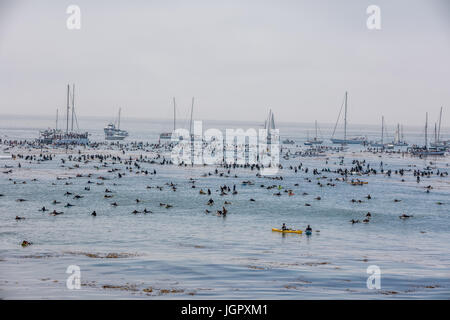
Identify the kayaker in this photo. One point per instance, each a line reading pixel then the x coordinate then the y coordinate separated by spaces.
pixel 283 227
pixel 308 229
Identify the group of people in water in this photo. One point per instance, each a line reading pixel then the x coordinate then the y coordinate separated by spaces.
pixel 115 161
pixel 308 229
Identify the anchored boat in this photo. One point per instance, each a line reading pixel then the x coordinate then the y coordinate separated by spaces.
pixel 59 137
pixel 315 140
pixel 269 125
pixel 346 140
pixel 425 150
pixel 168 135
pixel 113 133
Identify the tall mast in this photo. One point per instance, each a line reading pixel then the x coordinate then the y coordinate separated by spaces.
pixel 426 130
pixel 68 106
pixel 56 126
pixel 118 124
pixel 192 111
pixel 382 129
pixel 73 104
pixel 174 114
pixel 268 120
pixel 439 128
pixel 435 133
pixel 345 116
pixel 272 121
pixel 316 129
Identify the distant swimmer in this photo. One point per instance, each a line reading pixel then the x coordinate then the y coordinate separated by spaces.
pixel 147 211
pixel 308 230
pixel 26 243
pixel 404 216
pixel 55 213
pixel 94 213
pixel 43 209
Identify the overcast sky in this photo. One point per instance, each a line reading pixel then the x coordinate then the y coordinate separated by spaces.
pixel 238 58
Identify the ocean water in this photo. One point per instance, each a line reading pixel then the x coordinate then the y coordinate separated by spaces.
pixel 182 252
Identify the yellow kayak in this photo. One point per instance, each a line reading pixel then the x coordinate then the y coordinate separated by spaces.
pixel 287 231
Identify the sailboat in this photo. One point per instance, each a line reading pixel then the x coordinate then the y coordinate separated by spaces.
pixel 113 133
pixel 269 125
pixel 168 135
pixel 68 137
pixel 380 144
pixel 315 140
pixel 438 141
pixel 345 140
pixel 399 140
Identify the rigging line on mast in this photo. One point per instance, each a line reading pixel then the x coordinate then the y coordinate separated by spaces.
pixel 76 121
pixel 320 132
pixel 339 116
pixel 73 105
pixel 439 129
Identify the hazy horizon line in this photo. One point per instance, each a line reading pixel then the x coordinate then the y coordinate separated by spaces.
pixel 135 118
